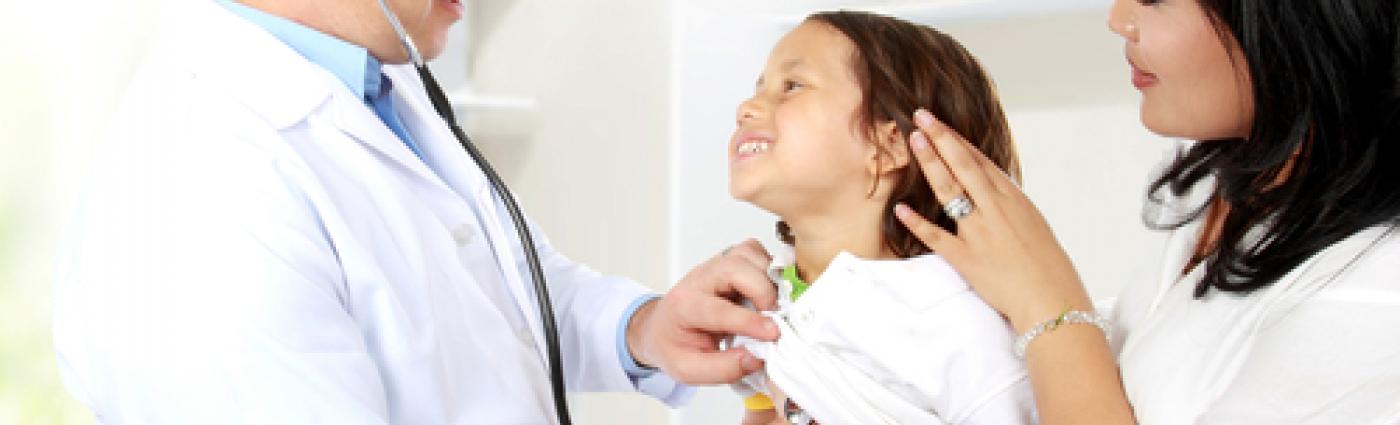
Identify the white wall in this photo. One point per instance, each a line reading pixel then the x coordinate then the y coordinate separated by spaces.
pixel 589 160
pixel 64 65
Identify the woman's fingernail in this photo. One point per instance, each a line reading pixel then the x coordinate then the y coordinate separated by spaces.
pixel 923 117
pixel 918 140
pixel 902 210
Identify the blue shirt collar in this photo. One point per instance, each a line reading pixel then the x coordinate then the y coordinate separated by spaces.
pixel 352 64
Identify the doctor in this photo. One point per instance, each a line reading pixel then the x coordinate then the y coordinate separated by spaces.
pixel 281 230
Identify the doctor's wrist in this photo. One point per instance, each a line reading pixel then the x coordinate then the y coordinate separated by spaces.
pixel 635 334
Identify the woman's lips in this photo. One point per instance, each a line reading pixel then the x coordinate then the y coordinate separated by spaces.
pixel 455 6
pixel 1143 79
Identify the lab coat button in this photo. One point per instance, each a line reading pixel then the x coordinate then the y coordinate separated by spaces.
pixel 463 235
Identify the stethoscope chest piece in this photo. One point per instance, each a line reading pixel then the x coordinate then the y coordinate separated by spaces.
pixel 795 415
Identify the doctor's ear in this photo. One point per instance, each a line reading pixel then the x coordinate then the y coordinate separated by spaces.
pixel 891 149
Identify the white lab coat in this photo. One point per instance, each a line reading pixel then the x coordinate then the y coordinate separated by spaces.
pixel 257 247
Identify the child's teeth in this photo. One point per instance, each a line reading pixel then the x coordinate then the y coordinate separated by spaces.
pixel 753 147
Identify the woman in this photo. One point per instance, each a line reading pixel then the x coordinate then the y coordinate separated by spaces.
pixel 1282 284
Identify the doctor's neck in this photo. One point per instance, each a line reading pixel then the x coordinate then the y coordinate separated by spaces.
pixel 817 238
pixel 361 23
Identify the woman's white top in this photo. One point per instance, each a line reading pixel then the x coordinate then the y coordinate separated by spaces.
pixel 1319 346
pixel 894 342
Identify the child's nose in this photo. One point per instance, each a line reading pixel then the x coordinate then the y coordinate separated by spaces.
pixel 749 110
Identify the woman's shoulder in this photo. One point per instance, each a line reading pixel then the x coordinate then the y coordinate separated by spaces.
pixel 1358 271
pixel 1367 254
pixel 1370 260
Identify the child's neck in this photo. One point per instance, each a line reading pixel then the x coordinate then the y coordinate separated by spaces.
pixel 816 243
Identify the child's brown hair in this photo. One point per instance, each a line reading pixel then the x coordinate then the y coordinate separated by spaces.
pixel 902 66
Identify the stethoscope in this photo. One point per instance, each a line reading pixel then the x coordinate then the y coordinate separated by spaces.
pixel 444 109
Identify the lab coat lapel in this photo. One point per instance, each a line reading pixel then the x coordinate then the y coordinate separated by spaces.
pixel 452 163
pixel 281 85
pixel 357 120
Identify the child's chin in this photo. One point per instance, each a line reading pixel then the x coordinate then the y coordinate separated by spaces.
pixel 741 197
pixel 751 195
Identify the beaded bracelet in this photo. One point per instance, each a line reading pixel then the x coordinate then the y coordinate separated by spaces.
pixel 1068 317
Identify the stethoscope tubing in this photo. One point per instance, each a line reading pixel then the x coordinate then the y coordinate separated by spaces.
pixel 522 228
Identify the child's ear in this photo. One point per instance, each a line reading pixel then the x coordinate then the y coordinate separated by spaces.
pixel 893 152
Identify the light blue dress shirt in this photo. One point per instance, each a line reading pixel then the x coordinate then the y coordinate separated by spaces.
pixel 352 64
pixel 361 72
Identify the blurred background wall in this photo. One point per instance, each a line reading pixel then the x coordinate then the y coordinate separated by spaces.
pixel 64 64
pixel 610 118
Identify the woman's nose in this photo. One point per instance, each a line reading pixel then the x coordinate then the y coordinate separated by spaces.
pixel 1121 19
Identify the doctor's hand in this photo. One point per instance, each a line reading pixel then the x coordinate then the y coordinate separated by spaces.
pixel 680 332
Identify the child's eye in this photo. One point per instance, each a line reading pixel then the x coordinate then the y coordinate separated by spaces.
pixel 791 85
pixel 1149 2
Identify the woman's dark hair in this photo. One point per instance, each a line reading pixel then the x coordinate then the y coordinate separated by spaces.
pixel 902 66
pixel 1326 85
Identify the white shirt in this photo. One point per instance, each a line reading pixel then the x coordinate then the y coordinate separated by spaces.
pixel 894 342
pixel 1320 346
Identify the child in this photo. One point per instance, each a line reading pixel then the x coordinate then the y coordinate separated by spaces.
pixel 887 332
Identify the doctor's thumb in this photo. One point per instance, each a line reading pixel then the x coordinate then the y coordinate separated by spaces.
pixel 723 367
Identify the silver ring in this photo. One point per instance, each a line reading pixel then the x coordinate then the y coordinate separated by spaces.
pixel 958 208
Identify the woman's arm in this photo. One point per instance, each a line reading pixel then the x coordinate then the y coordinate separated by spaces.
pixel 1009 255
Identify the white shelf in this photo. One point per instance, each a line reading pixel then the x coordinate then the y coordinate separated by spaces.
pixel 466 98
pixel 955 11
pixel 453 67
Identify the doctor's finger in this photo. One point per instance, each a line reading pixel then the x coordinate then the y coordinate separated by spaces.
pixel 719 367
pixel 741 277
pixel 752 251
pixel 721 317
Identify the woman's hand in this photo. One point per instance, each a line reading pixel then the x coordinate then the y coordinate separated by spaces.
pixel 1004 247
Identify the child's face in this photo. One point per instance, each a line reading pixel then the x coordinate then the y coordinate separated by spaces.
pixel 798 147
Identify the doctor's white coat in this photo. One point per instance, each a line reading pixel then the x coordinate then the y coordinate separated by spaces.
pixel 257 247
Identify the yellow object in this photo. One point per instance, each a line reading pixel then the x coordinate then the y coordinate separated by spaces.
pixel 758 402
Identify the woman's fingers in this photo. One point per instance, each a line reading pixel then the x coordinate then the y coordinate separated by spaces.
pixel 945 186
pixel 1004 247
pixel 932 235
pixel 957 156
